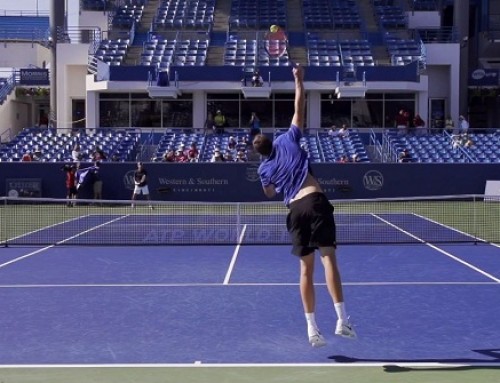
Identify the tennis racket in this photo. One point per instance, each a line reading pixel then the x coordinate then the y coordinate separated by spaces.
pixel 275 43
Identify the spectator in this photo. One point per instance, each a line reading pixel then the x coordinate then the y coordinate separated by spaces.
pixel 97 180
pixel 419 125
pixel 449 125
pixel 220 122
pixel 115 158
pixel 180 156
pixel 231 144
pixel 228 156
pixel 344 131
pixel 463 125
pixel 98 155
pixel 344 159
pixel 254 126
pixel 355 158
pixel 141 184
pixel 404 156
pixel 37 154
pixel 241 156
pixel 217 157
pixel 168 156
pixel 257 79
pixel 193 153
pixel 26 157
pixel 401 122
pixel 71 191
pixel 333 131
pixel 209 123
pixel 76 154
pixel 43 121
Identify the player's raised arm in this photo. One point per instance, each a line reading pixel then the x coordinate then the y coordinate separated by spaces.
pixel 300 99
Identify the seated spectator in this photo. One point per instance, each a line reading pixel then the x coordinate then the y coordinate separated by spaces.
pixel 193 153
pixel 232 143
pixel 37 154
pixel 344 159
pixel 98 155
pixel 344 131
pixel 180 156
pixel 355 157
pixel 404 156
pixel 26 157
pixel 217 157
pixel 115 158
pixel 241 156
pixel 468 143
pixel 228 156
pixel 168 156
pixel 333 131
pixel 257 79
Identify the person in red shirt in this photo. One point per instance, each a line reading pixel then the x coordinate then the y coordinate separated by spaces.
pixel 71 192
pixel 26 157
pixel 401 122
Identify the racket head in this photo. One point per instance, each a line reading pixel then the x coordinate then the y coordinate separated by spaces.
pixel 275 44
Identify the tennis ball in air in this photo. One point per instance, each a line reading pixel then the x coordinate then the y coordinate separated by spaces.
pixel 274 28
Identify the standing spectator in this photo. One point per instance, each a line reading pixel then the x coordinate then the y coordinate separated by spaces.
pixel 97 180
pixel 141 184
pixel 463 128
pixel 254 126
pixel 209 123
pixel 220 122
pixel 71 191
pixel 43 121
pixel 401 122
pixel 419 125
pixel 76 154
pixel 449 125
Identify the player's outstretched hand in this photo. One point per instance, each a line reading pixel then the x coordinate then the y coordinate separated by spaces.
pixel 298 73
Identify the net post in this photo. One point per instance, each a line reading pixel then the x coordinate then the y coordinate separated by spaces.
pixel 3 221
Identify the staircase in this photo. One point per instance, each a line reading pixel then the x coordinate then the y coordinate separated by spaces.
pixel 221 16
pixel 367 13
pixel 148 15
pixel 215 56
pixel 295 21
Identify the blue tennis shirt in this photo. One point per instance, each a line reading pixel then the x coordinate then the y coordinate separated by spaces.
pixel 287 166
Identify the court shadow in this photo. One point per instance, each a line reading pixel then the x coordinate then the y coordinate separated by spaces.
pixel 490 363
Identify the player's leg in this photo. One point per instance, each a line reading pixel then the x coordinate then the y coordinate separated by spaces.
pixel 308 296
pixel 334 286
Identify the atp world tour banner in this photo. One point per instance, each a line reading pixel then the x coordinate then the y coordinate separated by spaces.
pixel 239 182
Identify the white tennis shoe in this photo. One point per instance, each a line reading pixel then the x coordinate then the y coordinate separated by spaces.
pixel 345 329
pixel 317 340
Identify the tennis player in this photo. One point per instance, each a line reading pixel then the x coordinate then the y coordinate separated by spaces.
pixel 310 218
pixel 141 184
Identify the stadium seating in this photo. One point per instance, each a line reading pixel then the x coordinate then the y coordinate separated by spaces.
pixel 174 140
pixel 112 51
pixel 118 144
pixel 163 52
pixel 251 14
pixel 179 14
pixel 335 147
pixel 127 15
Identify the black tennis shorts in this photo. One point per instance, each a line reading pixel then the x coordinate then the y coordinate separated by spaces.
pixel 311 224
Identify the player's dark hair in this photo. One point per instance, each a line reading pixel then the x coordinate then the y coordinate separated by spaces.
pixel 262 144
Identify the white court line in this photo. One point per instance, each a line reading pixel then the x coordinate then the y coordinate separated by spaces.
pixel 199 364
pixel 456 230
pixel 234 284
pixel 235 255
pixel 58 243
pixel 46 227
pixel 488 275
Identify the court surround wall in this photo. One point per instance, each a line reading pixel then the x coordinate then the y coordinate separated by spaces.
pixel 240 182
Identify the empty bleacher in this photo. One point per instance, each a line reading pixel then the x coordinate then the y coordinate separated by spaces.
pixel 179 14
pixel 119 145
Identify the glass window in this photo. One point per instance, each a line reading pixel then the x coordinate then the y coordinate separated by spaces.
pixel 177 113
pixel 392 108
pixel 367 114
pixel 114 114
pixel 335 112
pixel 400 96
pixel 230 109
pixel 283 113
pixel 146 114
pixel 263 109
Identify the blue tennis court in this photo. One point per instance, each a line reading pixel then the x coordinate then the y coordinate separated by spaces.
pixel 419 304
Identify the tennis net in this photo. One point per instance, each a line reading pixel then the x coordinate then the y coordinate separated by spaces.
pixel 43 222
